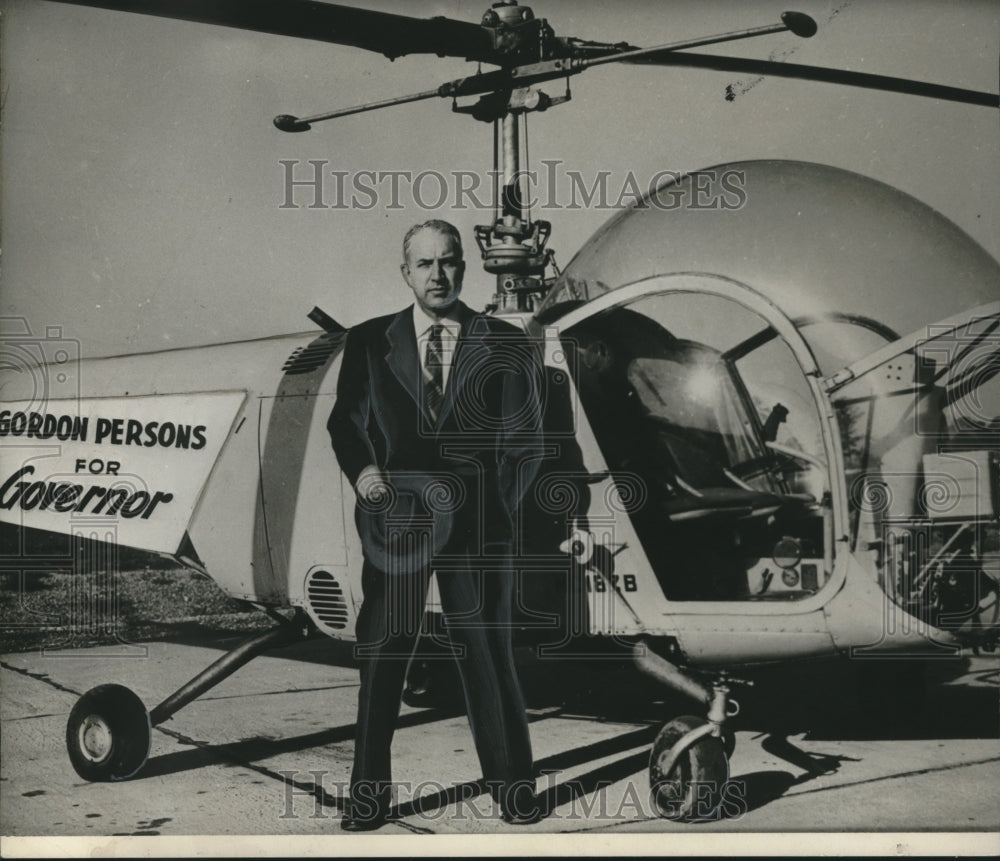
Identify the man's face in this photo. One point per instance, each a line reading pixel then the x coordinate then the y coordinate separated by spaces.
pixel 434 270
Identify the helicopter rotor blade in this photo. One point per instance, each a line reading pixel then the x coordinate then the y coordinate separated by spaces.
pixel 796 22
pixel 395 35
pixel 816 73
pixel 383 32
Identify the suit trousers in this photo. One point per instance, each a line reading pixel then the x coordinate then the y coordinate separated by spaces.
pixel 477 608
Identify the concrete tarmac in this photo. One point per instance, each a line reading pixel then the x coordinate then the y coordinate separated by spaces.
pixel 268 752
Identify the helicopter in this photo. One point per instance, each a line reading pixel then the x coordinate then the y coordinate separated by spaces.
pixel 743 471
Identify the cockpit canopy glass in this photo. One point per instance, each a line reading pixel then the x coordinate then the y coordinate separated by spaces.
pixel 853 262
pixel 695 398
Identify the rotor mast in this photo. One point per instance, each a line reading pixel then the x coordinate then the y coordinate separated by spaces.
pixel 513 248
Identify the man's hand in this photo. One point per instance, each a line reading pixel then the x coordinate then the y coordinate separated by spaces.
pixel 372 486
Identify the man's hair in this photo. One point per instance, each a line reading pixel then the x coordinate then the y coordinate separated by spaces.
pixel 436 224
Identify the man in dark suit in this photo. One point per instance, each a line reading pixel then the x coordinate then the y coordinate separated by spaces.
pixel 436 425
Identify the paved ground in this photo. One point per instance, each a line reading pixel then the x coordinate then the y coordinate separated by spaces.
pixel 268 750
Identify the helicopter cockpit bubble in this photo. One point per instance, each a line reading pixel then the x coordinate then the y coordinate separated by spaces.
pixel 684 386
pixel 853 262
pixel 892 425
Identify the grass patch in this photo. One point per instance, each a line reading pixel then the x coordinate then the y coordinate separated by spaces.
pixel 61 609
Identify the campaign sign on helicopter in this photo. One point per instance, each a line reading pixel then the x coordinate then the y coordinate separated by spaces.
pixel 137 464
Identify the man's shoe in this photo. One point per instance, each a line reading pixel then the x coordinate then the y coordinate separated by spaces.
pixel 366 815
pixel 369 823
pixel 526 813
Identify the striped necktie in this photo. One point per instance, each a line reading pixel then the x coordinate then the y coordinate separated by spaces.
pixel 433 360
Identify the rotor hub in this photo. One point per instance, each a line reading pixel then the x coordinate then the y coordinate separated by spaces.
pixel 507 13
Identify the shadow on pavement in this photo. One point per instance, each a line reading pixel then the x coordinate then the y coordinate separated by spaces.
pixel 254 749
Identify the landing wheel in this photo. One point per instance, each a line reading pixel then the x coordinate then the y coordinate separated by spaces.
pixel 692 787
pixel 108 734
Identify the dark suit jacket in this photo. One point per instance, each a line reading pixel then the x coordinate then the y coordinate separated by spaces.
pixel 485 445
